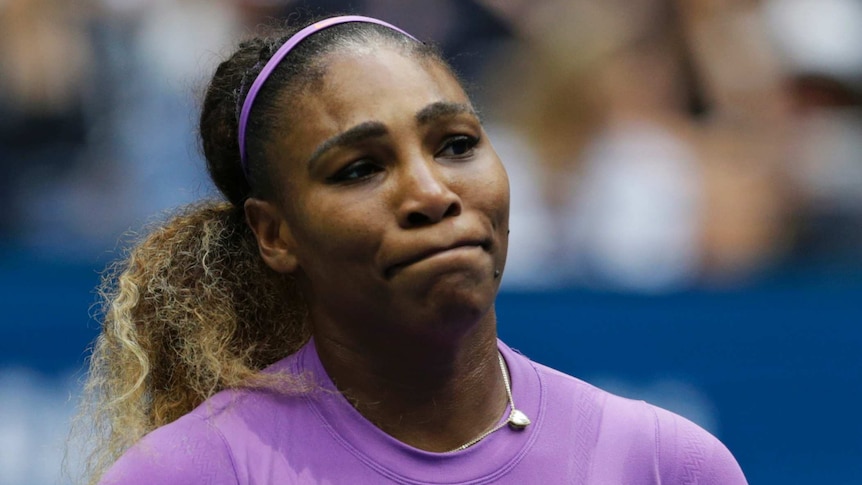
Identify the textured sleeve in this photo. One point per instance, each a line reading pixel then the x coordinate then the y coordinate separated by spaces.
pixel 188 451
pixel 689 455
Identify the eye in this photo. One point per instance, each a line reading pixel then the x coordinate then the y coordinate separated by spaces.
pixel 460 146
pixel 354 172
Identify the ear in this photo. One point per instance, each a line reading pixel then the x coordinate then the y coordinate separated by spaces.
pixel 274 239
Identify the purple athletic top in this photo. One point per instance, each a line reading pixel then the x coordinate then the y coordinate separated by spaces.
pixel 580 435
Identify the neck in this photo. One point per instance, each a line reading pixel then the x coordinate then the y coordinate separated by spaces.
pixel 433 395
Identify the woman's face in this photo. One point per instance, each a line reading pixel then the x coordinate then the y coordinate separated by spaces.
pixel 394 203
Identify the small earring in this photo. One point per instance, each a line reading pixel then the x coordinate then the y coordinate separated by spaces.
pixel 496 273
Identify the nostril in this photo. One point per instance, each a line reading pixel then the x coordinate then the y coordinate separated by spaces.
pixel 453 210
pixel 418 219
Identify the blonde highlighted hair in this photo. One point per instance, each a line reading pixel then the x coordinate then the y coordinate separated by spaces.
pixel 191 311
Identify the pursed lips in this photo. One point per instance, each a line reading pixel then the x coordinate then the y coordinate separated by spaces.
pixel 427 253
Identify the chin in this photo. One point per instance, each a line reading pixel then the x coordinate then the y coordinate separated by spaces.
pixel 457 306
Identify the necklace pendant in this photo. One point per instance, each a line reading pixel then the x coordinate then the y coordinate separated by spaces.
pixel 518 420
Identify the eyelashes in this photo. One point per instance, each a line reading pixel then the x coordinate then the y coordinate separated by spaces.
pixel 458 147
pixel 355 171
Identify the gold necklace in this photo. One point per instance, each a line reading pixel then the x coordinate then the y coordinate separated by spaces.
pixel 517 420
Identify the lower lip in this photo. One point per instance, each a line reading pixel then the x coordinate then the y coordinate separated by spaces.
pixel 454 257
pixel 453 251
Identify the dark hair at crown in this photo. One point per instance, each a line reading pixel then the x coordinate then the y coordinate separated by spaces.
pixel 272 108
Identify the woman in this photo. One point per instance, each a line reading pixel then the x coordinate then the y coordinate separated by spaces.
pixel 334 322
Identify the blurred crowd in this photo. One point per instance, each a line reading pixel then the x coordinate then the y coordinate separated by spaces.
pixel 652 145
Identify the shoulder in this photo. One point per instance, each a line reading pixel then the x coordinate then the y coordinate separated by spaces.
pixel 190 451
pixel 220 439
pixel 687 453
pixel 638 438
pixel 214 443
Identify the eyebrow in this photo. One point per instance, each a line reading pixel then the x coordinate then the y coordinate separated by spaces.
pixel 443 109
pixel 360 132
pixel 376 129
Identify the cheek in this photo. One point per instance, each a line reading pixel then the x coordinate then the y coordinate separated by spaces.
pixel 500 215
pixel 503 191
pixel 493 193
pixel 335 231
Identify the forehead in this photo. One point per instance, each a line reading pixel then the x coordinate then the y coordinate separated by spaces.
pixel 384 85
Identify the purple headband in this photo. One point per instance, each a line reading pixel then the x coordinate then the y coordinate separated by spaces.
pixel 277 58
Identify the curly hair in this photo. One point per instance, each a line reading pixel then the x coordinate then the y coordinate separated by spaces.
pixel 193 309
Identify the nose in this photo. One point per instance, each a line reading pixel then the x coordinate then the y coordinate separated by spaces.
pixel 426 197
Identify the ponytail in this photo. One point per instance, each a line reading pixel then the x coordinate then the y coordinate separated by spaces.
pixel 191 311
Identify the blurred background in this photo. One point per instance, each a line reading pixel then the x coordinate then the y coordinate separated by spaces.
pixel 686 197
